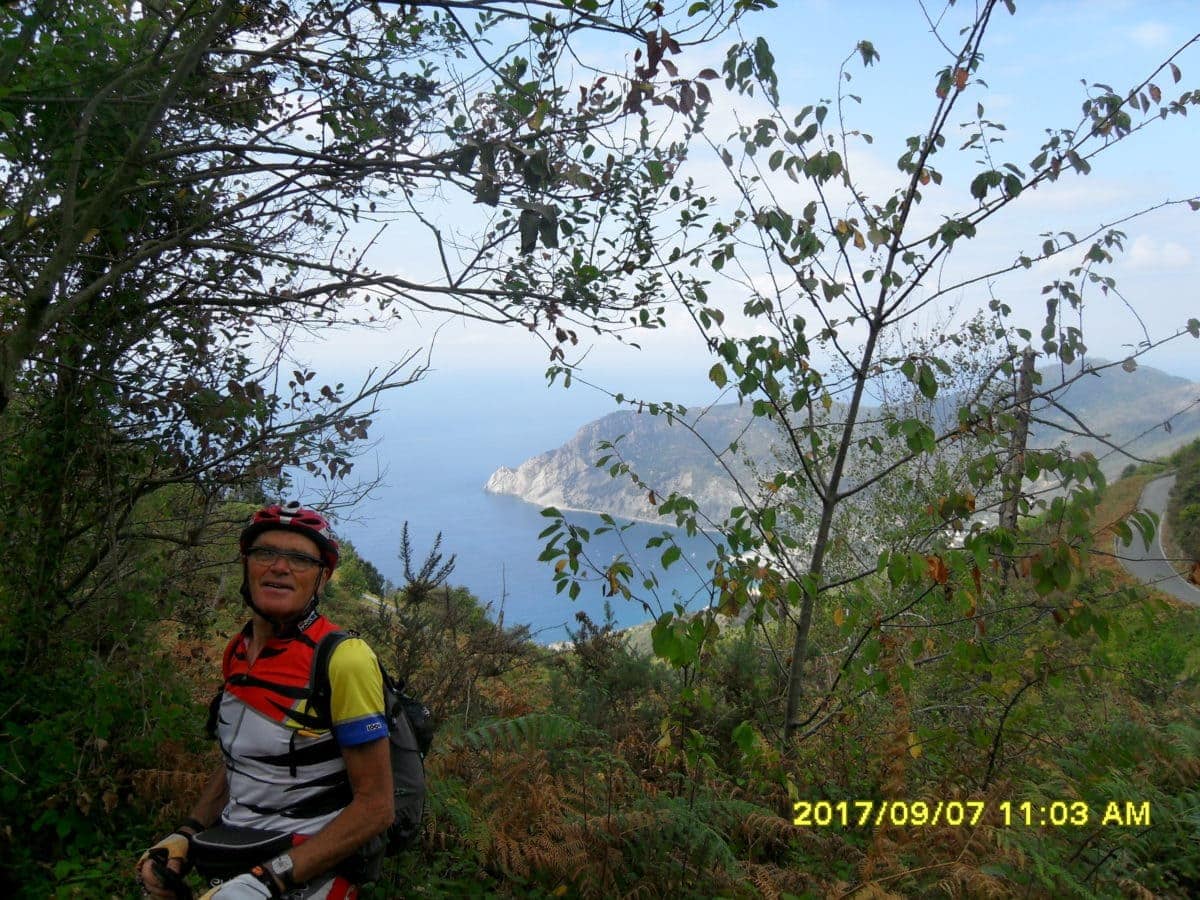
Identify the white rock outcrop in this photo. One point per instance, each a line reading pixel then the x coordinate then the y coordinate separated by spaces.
pixel 668 458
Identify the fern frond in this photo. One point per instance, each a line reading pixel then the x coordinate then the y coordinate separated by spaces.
pixel 964 880
pixel 543 729
pixel 873 891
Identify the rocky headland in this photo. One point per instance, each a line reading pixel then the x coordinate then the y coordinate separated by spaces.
pixel 705 453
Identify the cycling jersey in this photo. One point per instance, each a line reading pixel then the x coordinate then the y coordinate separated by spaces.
pixel 284 769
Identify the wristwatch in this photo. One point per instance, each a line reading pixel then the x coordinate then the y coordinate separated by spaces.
pixel 281 868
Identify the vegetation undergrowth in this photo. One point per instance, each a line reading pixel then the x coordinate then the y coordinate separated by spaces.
pixel 597 772
pixel 1182 531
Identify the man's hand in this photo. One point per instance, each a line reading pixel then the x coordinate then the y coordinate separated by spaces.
pixel 161 868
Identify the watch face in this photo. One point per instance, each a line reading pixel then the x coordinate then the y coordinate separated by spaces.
pixel 281 865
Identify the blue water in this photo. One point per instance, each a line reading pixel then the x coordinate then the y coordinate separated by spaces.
pixel 439 442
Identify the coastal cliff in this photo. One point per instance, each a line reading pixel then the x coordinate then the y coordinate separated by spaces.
pixel 1128 408
pixel 667 457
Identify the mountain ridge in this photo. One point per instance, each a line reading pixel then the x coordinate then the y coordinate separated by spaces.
pixel 668 458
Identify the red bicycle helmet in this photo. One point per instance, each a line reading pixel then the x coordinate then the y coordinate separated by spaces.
pixel 297 518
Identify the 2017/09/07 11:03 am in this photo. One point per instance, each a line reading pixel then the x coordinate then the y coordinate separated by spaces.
pixel 932 813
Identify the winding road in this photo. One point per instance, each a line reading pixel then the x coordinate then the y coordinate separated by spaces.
pixel 1149 564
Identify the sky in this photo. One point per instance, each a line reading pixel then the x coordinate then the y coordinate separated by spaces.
pixel 1036 64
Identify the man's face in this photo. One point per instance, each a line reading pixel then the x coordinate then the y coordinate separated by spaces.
pixel 281 587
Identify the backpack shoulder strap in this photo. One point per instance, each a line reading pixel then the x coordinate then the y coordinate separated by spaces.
pixel 320 695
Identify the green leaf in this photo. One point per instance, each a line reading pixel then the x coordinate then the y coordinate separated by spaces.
pixel 717 375
pixel 918 436
pixel 548 231
pixel 528 224
pixel 743 736
pixel 664 640
pixel 834 165
pixel 927 382
pixel 982 182
pixel 764 61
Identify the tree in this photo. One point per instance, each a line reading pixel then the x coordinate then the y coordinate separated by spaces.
pixel 186 187
pixel 828 277
pixel 232 148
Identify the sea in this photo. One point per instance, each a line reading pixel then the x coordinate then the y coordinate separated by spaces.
pixel 434 448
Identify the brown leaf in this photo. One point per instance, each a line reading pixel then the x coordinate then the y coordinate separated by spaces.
pixel 937 569
pixel 687 97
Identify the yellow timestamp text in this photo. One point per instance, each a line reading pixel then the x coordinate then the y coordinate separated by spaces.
pixel 933 813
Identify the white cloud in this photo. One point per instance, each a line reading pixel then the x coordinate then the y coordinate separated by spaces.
pixel 1072 195
pixel 1147 253
pixel 1150 34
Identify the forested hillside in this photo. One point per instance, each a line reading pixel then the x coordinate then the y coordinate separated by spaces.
pixel 1145 412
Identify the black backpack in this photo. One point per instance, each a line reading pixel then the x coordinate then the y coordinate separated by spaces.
pixel 410 735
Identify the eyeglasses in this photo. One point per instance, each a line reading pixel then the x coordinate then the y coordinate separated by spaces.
pixel 297 562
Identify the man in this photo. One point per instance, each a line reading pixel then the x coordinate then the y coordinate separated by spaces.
pixel 325 792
